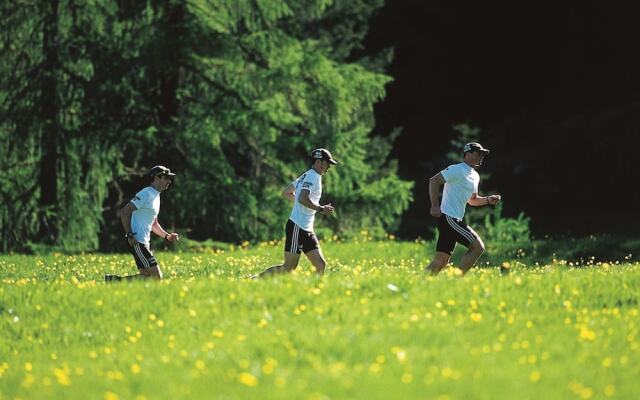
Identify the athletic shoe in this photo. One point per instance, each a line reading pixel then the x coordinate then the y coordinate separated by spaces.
pixel 111 278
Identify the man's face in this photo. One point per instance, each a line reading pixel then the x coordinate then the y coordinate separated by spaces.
pixel 323 166
pixel 162 182
pixel 475 158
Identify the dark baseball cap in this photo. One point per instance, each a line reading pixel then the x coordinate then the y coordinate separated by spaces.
pixel 160 170
pixel 323 154
pixel 473 146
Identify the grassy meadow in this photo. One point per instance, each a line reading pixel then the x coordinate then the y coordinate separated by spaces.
pixel 375 327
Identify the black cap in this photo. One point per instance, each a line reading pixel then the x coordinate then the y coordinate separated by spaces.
pixel 160 170
pixel 323 154
pixel 473 146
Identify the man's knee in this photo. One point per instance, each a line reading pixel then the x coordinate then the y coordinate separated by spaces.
pixel 477 246
pixel 317 259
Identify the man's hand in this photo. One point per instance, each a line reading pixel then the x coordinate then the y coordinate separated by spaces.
pixel 494 199
pixel 172 237
pixel 327 209
pixel 435 211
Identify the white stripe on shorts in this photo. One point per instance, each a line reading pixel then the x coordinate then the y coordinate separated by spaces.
pixel 145 262
pixel 459 229
pixel 294 238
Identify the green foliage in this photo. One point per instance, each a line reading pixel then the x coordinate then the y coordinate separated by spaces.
pixel 506 238
pixel 340 28
pixel 254 105
pixel 19 149
pixel 68 99
pixel 231 95
pixel 514 230
pixel 587 250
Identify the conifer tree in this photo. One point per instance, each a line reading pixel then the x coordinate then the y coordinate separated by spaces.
pixel 232 95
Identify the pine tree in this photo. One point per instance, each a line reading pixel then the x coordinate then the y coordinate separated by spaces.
pixel 66 91
pixel 263 98
pixel 232 95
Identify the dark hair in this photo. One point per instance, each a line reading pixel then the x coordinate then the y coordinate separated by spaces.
pixel 150 178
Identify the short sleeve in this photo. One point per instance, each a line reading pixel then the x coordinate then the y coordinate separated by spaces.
pixel 311 183
pixel 141 200
pixel 451 174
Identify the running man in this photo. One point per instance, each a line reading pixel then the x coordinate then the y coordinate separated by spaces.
pixel 305 193
pixel 139 218
pixel 460 188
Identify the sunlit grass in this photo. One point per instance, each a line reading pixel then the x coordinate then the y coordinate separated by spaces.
pixel 374 327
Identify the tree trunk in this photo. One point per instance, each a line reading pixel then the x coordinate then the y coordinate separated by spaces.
pixel 48 178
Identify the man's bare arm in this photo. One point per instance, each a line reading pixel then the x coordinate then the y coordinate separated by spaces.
pixel 289 192
pixel 479 201
pixel 434 192
pixel 306 201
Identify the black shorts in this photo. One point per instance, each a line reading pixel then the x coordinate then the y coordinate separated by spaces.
pixel 299 240
pixel 143 256
pixel 452 230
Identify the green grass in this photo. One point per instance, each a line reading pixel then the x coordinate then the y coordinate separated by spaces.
pixel 374 327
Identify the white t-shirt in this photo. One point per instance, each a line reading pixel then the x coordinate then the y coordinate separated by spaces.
pixel 461 181
pixel 147 202
pixel 301 215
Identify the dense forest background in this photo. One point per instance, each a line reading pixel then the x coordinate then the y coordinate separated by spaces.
pixel 233 96
pixel 553 88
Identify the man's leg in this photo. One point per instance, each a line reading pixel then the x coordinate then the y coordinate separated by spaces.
pixel 149 273
pixel 290 263
pixel 146 263
pixel 317 259
pixel 476 248
pixel 440 261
